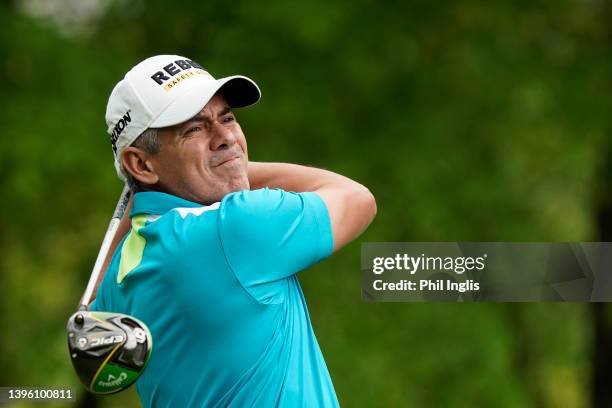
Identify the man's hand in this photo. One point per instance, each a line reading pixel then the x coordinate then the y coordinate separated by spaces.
pixel 351 206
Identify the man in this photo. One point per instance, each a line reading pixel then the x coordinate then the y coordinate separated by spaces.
pixel 210 261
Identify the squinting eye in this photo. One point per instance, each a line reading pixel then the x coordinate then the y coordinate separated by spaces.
pixel 228 119
pixel 194 129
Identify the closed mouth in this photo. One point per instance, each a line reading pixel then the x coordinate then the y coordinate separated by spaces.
pixel 228 160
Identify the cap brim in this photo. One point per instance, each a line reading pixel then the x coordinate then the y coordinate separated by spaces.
pixel 239 91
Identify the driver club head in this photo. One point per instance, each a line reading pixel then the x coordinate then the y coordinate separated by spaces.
pixel 109 351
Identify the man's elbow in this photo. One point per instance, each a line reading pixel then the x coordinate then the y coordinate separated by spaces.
pixel 352 208
pixel 367 204
pixel 371 205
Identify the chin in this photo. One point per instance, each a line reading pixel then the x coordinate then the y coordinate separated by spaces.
pixel 239 184
pixel 232 188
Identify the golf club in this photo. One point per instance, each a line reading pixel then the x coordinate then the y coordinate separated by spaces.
pixel 109 351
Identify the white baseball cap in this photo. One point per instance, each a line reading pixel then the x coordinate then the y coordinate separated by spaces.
pixel 166 90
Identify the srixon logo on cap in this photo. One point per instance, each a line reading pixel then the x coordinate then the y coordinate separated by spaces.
pixel 172 71
pixel 119 127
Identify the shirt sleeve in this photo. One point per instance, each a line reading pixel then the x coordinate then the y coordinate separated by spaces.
pixel 270 234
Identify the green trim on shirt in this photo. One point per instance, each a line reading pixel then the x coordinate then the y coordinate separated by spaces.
pixel 133 248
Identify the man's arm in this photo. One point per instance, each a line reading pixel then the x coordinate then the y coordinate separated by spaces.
pixel 351 206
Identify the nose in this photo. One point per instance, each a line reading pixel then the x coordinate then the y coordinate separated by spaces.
pixel 222 138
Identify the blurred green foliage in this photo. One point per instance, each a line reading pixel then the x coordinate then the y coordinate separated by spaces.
pixel 470 120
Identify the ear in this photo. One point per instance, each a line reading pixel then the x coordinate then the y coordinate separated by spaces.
pixel 136 162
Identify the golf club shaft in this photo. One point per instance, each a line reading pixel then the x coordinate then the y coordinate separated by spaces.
pixel 106 243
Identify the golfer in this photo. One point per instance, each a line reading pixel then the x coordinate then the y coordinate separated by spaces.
pixel 210 260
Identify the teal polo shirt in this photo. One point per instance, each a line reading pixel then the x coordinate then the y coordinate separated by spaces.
pixel 217 287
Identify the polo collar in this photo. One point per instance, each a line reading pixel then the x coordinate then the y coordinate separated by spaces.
pixel 154 202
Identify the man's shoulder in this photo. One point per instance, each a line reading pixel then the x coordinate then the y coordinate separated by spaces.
pixel 264 215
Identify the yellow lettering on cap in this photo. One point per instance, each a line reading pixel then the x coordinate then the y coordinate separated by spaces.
pixel 186 75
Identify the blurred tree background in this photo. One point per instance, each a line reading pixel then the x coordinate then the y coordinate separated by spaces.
pixel 469 121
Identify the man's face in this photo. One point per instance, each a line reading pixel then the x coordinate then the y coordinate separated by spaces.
pixel 204 158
